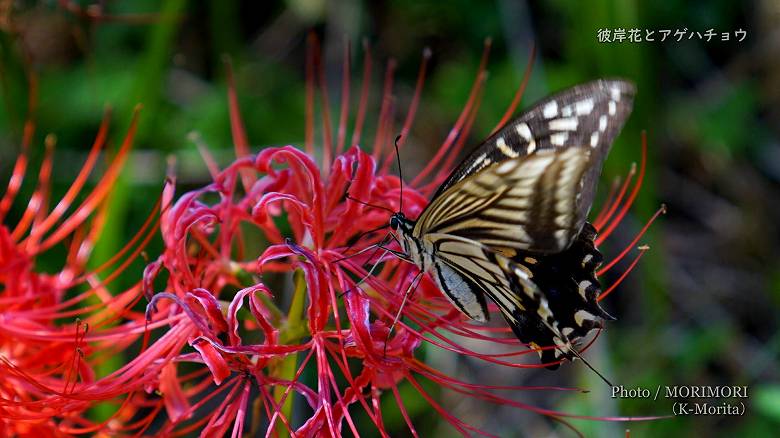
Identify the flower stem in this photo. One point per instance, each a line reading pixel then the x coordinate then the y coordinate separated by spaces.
pixel 294 329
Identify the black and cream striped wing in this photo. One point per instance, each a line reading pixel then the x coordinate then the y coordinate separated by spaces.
pixel 467 271
pixel 528 203
pixel 587 115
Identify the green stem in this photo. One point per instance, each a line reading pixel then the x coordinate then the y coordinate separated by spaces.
pixel 293 330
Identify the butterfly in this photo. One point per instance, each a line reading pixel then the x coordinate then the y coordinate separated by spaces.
pixel 509 224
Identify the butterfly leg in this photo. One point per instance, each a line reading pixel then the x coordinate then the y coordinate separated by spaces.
pixel 370 272
pixel 401 255
pixel 366 249
pixel 398 254
pixel 408 292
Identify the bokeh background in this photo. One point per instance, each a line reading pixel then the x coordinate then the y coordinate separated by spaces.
pixel 702 307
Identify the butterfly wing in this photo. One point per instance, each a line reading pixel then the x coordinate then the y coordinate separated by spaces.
pixel 571 289
pixel 525 203
pixel 587 115
pixel 568 118
pixel 528 310
pixel 509 222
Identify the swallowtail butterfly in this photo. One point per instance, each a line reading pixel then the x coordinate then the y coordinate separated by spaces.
pixel 509 224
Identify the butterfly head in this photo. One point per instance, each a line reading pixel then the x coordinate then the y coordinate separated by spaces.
pixel 411 245
pixel 401 224
pixel 403 227
pixel 395 220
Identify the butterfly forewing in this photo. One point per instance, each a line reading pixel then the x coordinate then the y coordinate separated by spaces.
pixel 591 114
pixel 524 203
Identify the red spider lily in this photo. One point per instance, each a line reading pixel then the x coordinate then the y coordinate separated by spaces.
pixel 215 367
pixel 52 339
pixel 341 330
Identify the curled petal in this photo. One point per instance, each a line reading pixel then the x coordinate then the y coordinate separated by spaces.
pixel 150 274
pixel 211 306
pixel 260 210
pixel 235 306
pixel 194 317
pixel 306 181
pixel 357 309
pixel 213 359
pixel 261 314
pixel 318 288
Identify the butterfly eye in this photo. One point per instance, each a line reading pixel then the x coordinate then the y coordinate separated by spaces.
pixel 394 223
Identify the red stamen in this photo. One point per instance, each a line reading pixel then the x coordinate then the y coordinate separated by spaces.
pixel 519 93
pixel 151 224
pixel 385 113
pixel 103 188
pixel 642 251
pixel 361 114
pixel 345 85
pixel 237 129
pixel 75 244
pixel 355 387
pixel 454 421
pixel 20 167
pixel 631 198
pixel 73 369
pixel 80 180
pixel 342 402
pixel 455 152
pixel 310 59
pixel 141 425
pixel 341 360
pixel 628 247
pixel 37 199
pixel 327 128
pixel 444 150
pixel 85 246
pixel 607 215
pixel 402 408
pixel 205 154
pixel 608 201
pixel 412 111
pixel 278 406
pixel 19 170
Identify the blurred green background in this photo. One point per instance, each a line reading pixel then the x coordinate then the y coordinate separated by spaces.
pixel 701 309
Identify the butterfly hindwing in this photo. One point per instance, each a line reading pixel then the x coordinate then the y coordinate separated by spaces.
pixel 479 266
pixel 525 306
pixel 571 288
pixel 462 291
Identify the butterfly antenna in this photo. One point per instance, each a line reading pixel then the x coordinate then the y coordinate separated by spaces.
pixel 400 175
